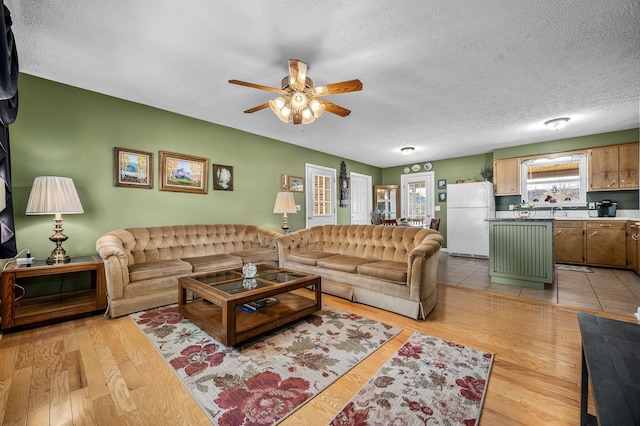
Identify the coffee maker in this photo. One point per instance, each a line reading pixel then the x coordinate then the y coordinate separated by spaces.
pixel 606 208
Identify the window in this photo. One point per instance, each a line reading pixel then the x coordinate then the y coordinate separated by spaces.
pixel 555 181
pixel 322 195
pixel 416 199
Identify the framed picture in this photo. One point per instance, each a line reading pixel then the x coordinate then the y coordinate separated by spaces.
pixel 296 184
pixel 442 196
pixel 132 169
pixel 222 177
pixel 183 173
pixel 442 183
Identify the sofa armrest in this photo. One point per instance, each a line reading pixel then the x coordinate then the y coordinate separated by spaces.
pixel 116 264
pixel 268 238
pixel 292 242
pixel 423 267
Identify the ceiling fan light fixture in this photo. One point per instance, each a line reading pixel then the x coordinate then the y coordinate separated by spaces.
pixel 298 101
pixel 307 116
pixel 276 104
pixel 407 150
pixel 557 123
pixel 284 114
pixel 316 107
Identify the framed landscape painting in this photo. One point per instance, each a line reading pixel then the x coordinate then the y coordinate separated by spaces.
pixel 183 173
pixel 132 168
pixel 222 177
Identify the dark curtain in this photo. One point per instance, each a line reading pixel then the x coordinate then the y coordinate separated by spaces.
pixel 8 113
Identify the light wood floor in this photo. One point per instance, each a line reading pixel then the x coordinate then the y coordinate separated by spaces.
pixel 105 372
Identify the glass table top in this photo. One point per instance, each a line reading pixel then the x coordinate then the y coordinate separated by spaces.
pixel 233 282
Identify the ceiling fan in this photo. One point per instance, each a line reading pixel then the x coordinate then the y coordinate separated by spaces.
pixel 299 102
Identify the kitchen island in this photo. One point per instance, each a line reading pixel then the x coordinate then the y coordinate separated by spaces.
pixel 521 251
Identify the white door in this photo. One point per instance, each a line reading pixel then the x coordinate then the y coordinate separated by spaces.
pixel 361 203
pixel 417 196
pixel 321 196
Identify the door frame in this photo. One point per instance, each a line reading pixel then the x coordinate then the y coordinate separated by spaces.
pixel 428 178
pixel 309 193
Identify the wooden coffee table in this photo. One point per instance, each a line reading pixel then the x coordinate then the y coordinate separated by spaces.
pixel 214 301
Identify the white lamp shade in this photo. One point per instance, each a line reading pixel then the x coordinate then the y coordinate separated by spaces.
pixel 53 195
pixel 285 203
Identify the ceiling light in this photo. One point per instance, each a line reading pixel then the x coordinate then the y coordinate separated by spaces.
pixel 301 104
pixel 557 123
pixel 407 150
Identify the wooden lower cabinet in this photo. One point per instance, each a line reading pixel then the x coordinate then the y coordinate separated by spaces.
pixel 568 240
pixel 633 235
pixel 607 243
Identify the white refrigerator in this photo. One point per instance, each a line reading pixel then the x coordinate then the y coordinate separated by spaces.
pixel 468 207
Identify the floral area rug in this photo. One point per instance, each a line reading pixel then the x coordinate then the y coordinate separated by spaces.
pixel 267 378
pixel 429 381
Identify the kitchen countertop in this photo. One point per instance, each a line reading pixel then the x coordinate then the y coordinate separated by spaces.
pixel 597 218
pixel 570 214
pixel 517 219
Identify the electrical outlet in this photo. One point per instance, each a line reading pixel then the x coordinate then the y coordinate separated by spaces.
pixel 592 206
pixel 511 206
pixel 297 207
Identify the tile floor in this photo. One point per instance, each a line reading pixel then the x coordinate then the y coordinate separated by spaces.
pixel 603 289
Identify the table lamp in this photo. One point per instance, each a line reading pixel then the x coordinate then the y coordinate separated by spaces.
pixel 285 203
pixel 54 195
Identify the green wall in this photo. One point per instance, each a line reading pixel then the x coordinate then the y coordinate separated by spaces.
pixel 65 131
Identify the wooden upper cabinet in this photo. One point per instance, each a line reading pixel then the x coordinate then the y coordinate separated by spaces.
pixel 614 167
pixel 628 164
pixel 506 176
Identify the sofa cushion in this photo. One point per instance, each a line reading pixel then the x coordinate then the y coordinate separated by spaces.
pixel 309 258
pixel 343 262
pixel 214 262
pixel 385 270
pixel 257 255
pixel 161 268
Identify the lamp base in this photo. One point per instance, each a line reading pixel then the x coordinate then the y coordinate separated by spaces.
pixel 57 258
pixel 58 254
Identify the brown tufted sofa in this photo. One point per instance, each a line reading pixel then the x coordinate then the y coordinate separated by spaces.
pixel 389 267
pixel 142 265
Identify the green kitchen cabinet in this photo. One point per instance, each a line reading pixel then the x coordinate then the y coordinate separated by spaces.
pixel 521 252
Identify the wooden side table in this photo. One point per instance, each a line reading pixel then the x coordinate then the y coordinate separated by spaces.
pixel 56 302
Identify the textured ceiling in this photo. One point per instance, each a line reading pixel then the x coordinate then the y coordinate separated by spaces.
pixel 450 78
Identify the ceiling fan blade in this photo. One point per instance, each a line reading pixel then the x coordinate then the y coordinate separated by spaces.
pixel 256 86
pixel 337 88
pixel 333 108
pixel 297 73
pixel 257 108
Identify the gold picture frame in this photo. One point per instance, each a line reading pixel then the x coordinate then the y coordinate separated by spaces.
pixel 296 184
pixel 183 173
pixel 132 168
